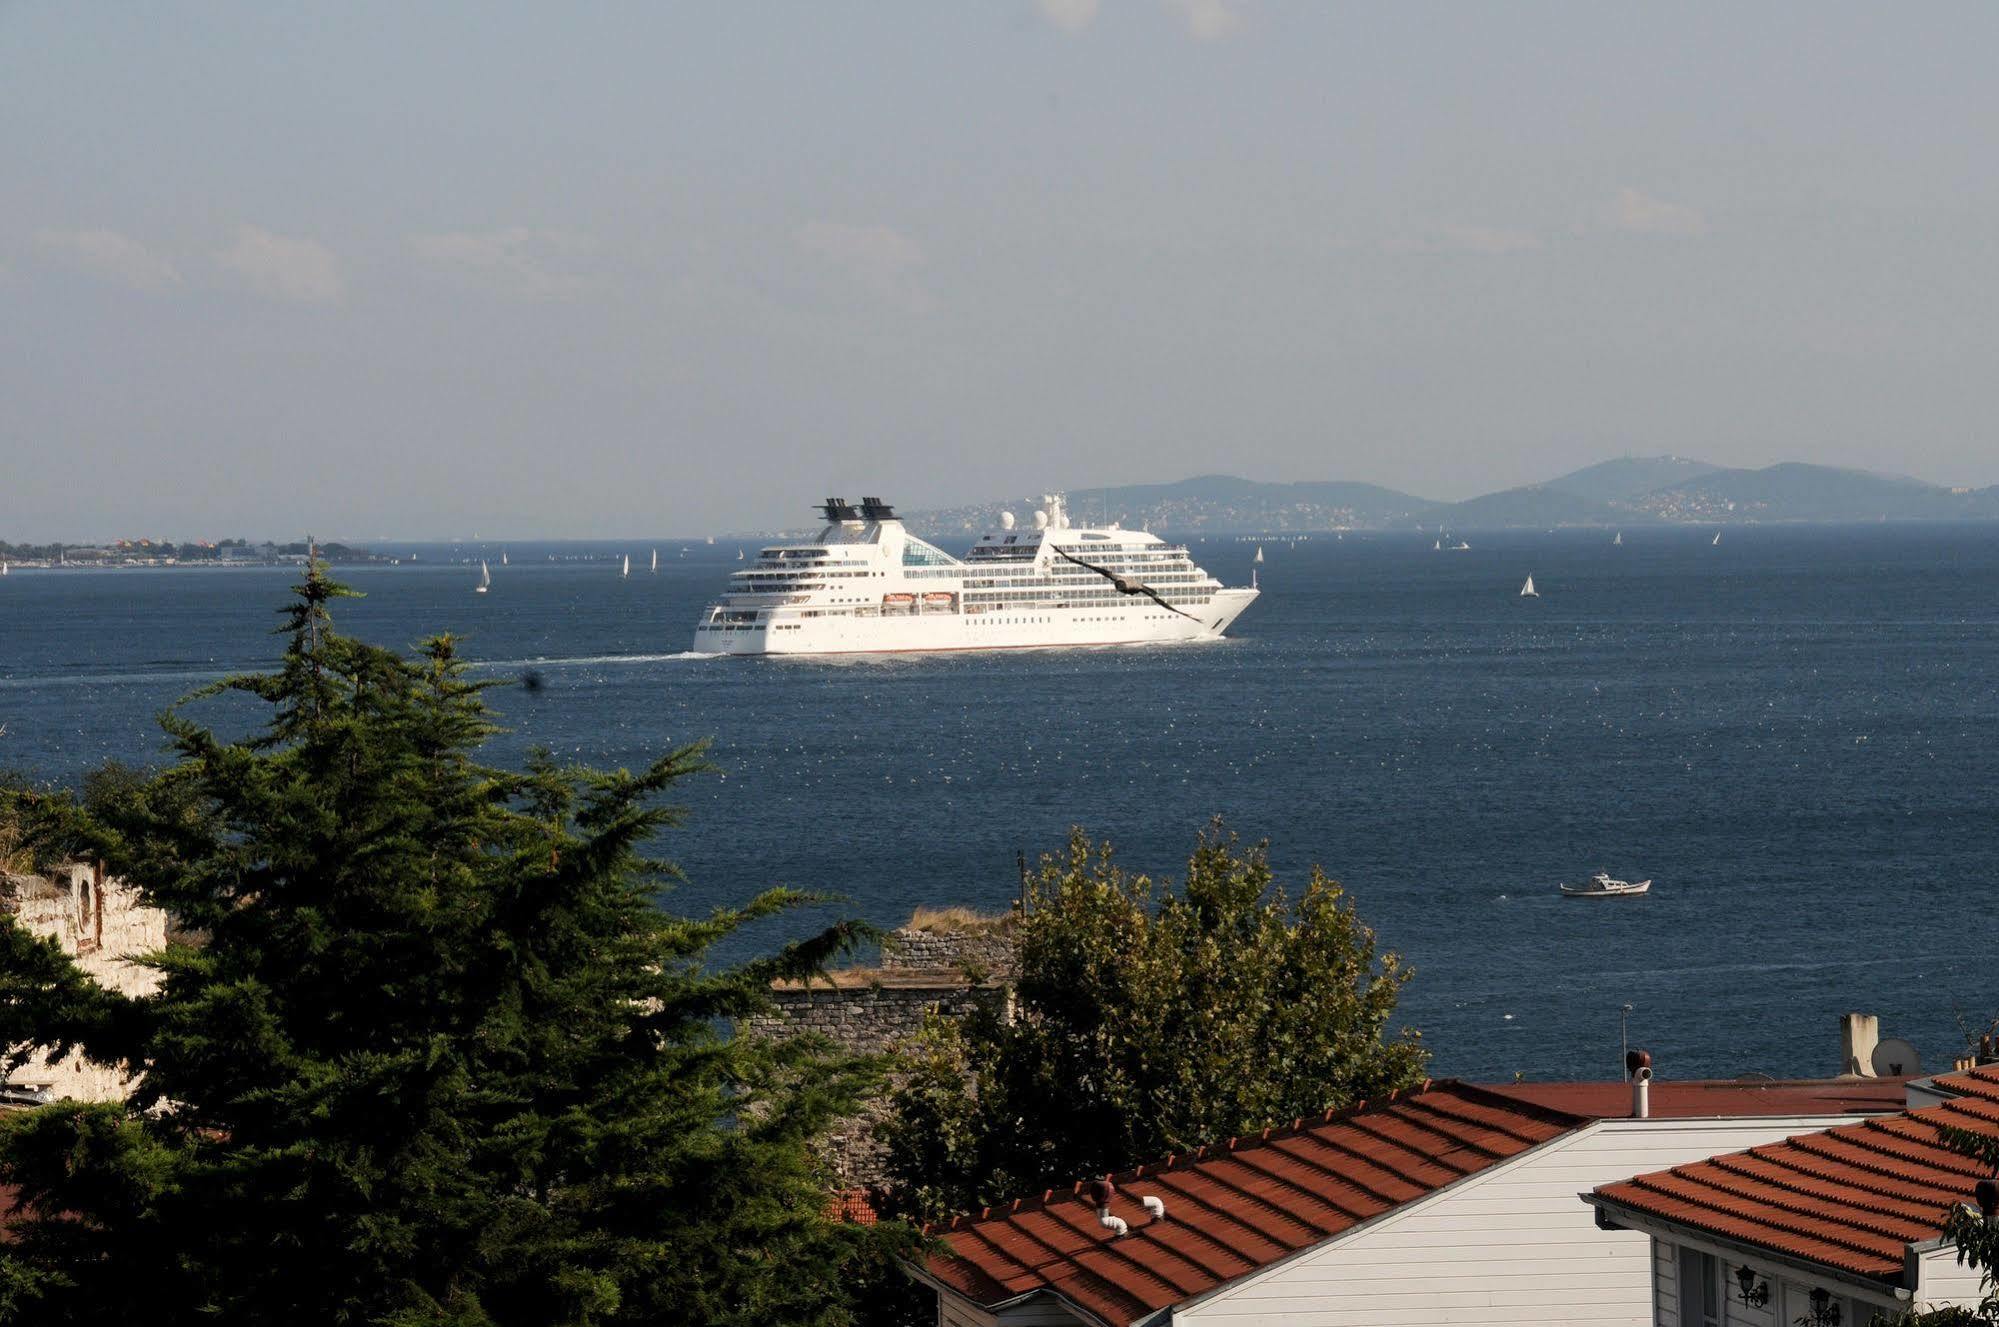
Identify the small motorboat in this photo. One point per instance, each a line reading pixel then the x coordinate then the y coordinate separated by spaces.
pixel 1601 885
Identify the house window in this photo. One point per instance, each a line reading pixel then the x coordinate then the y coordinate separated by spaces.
pixel 1700 1289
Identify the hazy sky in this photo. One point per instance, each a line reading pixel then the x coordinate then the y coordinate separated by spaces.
pixel 602 269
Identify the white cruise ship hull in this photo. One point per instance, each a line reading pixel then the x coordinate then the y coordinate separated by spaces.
pixel 1047 628
pixel 866 585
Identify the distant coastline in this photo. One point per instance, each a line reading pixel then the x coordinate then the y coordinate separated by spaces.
pixel 139 553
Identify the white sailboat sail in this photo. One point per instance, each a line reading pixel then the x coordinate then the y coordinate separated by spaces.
pixel 1259 552
pixel 628 566
pixel 1438 546
pixel 485 577
pixel 503 557
pixel 655 559
pixel 1619 539
pixel 1717 538
pixel 1528 591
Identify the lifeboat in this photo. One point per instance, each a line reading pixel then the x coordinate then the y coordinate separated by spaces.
pixel 938 598
pixel 898 600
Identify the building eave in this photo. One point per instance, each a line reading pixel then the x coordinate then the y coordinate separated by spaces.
pixel 1621 1217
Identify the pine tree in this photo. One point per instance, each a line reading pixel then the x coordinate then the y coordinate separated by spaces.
pixel 437 1056
pixel 1146 1020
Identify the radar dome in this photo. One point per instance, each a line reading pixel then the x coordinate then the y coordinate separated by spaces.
pixel 1041 520
pixel 1006 520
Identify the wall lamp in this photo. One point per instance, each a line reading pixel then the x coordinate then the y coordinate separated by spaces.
pixel 1824 1313
pixel 1753 1294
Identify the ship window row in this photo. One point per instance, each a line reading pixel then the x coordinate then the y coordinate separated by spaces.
pixel 796 575
pixel 1080 582
pixel 1095 597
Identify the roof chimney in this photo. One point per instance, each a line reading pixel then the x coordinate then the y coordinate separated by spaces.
pixel 1638 1067
pixel 1858 1035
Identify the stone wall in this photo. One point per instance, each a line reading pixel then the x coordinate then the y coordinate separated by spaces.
pixel 867 1012
pixel 100 922
pixel 988 950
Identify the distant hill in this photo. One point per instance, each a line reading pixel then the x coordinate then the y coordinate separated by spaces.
pixel 1795 491
pixel 1205 502
pixel 1537 504
pixel 1628 491
pixel 1629 476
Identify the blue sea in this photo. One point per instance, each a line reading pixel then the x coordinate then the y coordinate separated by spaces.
pixel 1793 733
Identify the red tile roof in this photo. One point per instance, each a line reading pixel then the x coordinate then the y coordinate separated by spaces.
pixel 1980 1082
pixel 854 1205
pixel 1715 1099
pixel 1851 1198
pixel 1234 1208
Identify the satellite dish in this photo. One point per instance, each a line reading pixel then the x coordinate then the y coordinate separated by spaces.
pixel 1895 1058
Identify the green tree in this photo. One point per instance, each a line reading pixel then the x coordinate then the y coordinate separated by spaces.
pixel 440 1057
pixel 1146 1020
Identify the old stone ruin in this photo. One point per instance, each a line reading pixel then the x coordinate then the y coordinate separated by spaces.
pixel 943 961
pixel 99 922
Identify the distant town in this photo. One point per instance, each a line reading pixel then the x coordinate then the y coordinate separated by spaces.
pixel 165 553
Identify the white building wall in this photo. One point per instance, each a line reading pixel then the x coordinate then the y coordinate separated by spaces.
pixel 1789 1290
pixel 1665 1286
pixel 1515 1243
pixel 1942 1282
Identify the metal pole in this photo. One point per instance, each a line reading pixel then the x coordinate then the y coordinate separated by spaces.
pixel 1624 1036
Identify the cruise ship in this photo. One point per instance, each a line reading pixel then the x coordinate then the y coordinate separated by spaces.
pixel 867 585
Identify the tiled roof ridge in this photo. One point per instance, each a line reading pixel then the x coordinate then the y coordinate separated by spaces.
pixel 1854 1196
pixel 1303 1125
pixel 1789 1199
pixel 1719 1222
pixel 1806 1180
pixel 1515 1105
pixel 1985 1075
pixel 1509 1105
pixel 1183 1159
pixel 1874 1159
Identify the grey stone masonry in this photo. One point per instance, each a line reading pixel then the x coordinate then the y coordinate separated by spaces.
pixel 866 1012
pixel 986 950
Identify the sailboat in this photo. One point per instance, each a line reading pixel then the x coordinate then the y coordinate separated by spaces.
pixel 3 568
pixel 655 559
pixel 485 578
pixel 503 557
pixel 739 555
pixel 1259 552
pixel 1438 546
pixel 1619 539
pixel 1717 538
pixel 628 566
pixel 1528 591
